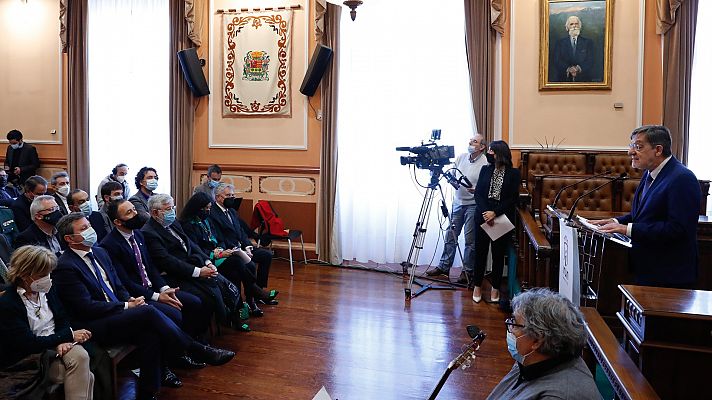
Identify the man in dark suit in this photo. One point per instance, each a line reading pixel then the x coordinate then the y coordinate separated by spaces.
pixel 662 223
pixel 185 265
pixel 572 56
pixel 78 201
pixel 42 232
pixel 96 299
pixel 60 187
pixel 8 194
pixel 34 186
pixel 229 231
pixel 126 246
pixel 21 160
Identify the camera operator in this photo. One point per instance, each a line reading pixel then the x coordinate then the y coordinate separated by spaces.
pixel 463 212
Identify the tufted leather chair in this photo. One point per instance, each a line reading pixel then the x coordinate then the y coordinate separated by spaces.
pixel 547 186
pixel 553 163
pixel 616 162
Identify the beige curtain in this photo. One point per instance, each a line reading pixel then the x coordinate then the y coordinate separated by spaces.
pixel 182 113
pixel 483 20
pixel 328 247
pixel 78 107
pixel 195 17
pixel 677 22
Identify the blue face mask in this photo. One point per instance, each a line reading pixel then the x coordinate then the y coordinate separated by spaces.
pixel 85 208
pixel 152 184
pixel 512 347
pixel 169 217
pixel 89 237
pixel 213 184
pixel 15 146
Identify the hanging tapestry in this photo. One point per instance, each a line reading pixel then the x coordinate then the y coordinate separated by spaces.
pixel 256 64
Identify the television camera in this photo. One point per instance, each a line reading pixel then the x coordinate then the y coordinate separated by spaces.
pixel 428 155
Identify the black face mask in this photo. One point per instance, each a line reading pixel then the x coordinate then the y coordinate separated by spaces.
pixel 202 214
pixel 52 218
pixel 229 202
pixel 136 222
pixel 3 180
pixel 490 158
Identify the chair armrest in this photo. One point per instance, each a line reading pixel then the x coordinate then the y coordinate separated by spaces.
pixel 536 236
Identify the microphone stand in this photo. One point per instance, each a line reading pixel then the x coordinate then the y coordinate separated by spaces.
pixel 586 194
pixel 558 194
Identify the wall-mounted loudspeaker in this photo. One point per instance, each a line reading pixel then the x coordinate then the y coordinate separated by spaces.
pixel 193 72
pixel 317 67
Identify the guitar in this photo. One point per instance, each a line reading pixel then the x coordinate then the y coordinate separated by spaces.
pixel 464 359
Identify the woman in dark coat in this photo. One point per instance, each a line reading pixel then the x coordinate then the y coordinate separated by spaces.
pixel 496 194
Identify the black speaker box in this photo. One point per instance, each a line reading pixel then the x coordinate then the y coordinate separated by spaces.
pixel 193 72
pixel 317 67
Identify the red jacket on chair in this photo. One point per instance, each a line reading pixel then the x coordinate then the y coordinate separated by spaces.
pixel 266 218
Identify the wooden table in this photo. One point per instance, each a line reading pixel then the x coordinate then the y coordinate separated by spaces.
pixel 668 334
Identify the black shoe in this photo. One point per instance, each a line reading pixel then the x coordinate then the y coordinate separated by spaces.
pixel 186 362
pixel 268 302
pixel 255 311
pixel 169 379
pixel 211 355
pixel 435 272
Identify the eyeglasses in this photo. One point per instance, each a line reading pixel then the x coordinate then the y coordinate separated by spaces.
pixel 636 146
pixel 511 322
pixel 50 210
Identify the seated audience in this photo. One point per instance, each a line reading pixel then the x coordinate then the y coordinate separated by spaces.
pixel 8 194
pixel 111 191
pixel 127 248
pixel 233 263
pixel 34 186
pixel 78 201
pixel 118 174
pixel 42 232
pixel 146 182
pixel 21 160
pixel 226 223
pixel 59 187
pixel 545 337
pixel 96 299
pixel 33 321
pixel 211 182
pixel 185 265
pixel 496 194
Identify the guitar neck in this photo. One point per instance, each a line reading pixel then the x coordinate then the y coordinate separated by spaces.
pixel 443 378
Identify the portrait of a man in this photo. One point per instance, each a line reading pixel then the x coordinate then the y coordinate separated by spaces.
pixel 575 50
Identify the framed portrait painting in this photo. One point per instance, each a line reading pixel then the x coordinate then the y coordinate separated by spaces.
pixel 575 44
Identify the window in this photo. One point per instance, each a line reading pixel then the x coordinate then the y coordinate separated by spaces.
pixel 128 88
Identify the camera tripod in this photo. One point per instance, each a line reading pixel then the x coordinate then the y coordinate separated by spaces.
pixel 421 227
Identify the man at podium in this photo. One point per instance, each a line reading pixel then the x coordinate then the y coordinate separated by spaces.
pixel 663 219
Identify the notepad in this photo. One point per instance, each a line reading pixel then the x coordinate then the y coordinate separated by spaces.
pixel 501 226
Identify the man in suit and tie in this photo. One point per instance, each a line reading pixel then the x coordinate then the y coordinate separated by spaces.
pixel 59 183
pixel 95 299
pixel 8 194
pixel 21 159
pixel 127 248
pixel 229 231
pixel 78 201
pixel 572 56
pixel 34 186
pixel 662 223
pixel 111 191
pixel 42 232
pixel 185 265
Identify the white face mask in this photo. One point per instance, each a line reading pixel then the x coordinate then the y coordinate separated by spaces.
pixel 42 285
pixel 121 178
pixel 64 190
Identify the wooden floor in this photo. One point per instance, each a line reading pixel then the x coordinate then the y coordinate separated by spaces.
pixel 352 332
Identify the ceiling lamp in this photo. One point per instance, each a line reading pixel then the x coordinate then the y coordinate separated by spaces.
pixel 352 4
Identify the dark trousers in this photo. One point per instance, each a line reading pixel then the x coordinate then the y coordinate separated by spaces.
pixel 499 247
pixel 236 271
pixel 152 331
pixel 207 291
pixel 263 259
pixel 188 318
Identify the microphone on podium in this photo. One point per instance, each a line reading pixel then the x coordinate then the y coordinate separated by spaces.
pixel 558 194
pixel 573 207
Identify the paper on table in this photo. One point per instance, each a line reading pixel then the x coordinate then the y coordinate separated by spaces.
pixel 502 225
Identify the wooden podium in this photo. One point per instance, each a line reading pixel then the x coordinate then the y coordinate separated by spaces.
pixel 668 334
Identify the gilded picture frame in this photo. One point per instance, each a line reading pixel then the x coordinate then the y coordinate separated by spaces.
pixel 575 44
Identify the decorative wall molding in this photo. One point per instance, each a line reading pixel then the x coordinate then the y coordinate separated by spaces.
pixel 269 169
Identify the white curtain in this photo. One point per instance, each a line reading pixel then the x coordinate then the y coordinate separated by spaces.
pixel 128 88
pixel 403 73
pixel 700 117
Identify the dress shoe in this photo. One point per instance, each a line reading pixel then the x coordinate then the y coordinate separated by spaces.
pixel 494 296
pixel 435 272
pixel 255 311
pixel 268 302
pixel 477 295
pixel 186 362
pixel 211 355
pixel 169 379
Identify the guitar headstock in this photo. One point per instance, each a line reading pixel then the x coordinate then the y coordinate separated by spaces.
pixel 465 358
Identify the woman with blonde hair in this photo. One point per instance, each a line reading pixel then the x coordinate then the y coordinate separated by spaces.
pixel 33 321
